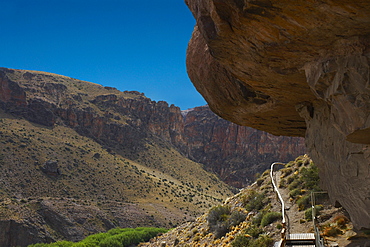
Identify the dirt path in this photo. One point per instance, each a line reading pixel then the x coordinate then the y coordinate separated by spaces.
pixel 292 213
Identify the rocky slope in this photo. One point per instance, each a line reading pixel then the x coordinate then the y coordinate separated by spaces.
pixel 246 218
pixel 77 158
pixel 295 68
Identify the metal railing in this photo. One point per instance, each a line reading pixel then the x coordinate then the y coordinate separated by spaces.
pixel 283 222
pixel 318 239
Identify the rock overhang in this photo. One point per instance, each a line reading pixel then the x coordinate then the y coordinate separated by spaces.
pixel 249 59
pixel 296 68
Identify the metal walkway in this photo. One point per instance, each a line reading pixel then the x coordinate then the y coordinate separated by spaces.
pixel 295 239
pixel 300 239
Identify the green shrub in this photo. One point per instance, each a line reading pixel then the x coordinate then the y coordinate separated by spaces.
pixel 293 185
pixel 218 214
pixel 237 217
pixel 304 202
pixel 56 244
pixel 241 241
pixel 255 201
pixel 310 177
pixel 258 218
pixel 290 179
pixel 254 231
pixel 286 171
pixel 221 219
pixel 261 241
pixel 115 237
pixel 308 212
pixel 270 217
pixel 295 193
pixel 282 183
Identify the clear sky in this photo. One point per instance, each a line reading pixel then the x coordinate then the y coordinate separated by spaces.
pixel 128 44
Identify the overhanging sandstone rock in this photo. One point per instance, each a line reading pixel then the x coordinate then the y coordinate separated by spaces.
pixel 297 68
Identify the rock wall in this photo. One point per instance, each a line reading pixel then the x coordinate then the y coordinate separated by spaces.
pixel 295 68
pixel 236 153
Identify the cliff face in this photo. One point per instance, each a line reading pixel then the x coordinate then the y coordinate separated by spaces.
pixel 295 68
pixel 48 99
pixel 236 153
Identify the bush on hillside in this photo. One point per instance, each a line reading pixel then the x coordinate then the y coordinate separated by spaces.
pixel 255 201
pixel 304 202
pixel 243 240
pixel 308 212
pixel 221 219
pixel 270 217
pixel 341 221
pixel 254 231
pixel 310 177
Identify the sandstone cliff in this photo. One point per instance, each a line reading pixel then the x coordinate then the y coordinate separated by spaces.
pixel 295 68
pixel 236 153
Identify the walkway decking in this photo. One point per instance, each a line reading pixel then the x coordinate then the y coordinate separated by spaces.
pixel 300 239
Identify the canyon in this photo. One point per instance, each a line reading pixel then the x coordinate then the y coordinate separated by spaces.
pixel 79 158
pixel 235 153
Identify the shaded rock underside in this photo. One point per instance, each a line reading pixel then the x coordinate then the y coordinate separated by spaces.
pixel 296 68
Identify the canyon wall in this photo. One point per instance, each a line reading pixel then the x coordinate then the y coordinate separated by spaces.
pixel 294 68
pixel 124 122
pixel 236 153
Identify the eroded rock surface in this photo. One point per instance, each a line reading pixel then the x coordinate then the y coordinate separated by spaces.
pixel 296 68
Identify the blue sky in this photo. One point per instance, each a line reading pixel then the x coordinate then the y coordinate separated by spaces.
pixel 127 44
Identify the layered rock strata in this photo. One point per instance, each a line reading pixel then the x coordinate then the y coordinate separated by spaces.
pixel 295 68
pixel 236 153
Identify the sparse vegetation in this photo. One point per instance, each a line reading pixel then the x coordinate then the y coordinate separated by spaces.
pixel 301 182
pixel 341 221
pixel 221 219
pixel 99 180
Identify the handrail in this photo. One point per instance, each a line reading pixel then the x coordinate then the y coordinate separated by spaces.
pixel 284 230
pixel 319 240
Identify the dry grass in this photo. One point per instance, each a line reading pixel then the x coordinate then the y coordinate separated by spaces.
pixel 166 185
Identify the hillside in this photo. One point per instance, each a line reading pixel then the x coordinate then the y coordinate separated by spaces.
pixel 79 158
pixel 252 217
pixel 71 166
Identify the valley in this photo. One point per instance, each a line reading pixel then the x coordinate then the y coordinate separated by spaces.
pixel 79 158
